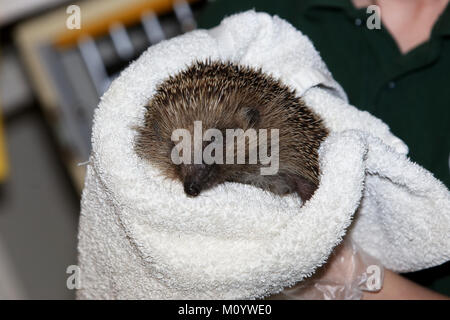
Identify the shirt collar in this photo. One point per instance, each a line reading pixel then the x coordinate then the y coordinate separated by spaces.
pixel 443 24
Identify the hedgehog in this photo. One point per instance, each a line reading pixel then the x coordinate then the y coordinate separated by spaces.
pixel 227 96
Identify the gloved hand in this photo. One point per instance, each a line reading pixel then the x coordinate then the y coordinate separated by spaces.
pixel 348 272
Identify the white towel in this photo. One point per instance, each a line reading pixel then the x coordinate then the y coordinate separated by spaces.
pixel 141 237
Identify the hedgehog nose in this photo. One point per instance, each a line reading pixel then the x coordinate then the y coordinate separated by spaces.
pixel 192 189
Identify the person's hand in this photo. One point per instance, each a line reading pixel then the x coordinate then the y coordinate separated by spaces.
pixel 346 275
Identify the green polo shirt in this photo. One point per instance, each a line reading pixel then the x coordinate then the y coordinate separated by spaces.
pixel 411 92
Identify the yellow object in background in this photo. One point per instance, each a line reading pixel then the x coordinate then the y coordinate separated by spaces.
pixel 3 157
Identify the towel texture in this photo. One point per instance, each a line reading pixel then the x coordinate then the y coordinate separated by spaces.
pixel 141 237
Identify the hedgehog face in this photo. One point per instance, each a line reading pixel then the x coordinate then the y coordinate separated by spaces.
pixel 159 141
pixel 211 171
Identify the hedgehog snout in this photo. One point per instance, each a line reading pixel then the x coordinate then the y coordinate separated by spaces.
pixel 197 177
pixel 191 189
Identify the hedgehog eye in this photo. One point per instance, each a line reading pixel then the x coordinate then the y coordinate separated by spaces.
pixel 252 116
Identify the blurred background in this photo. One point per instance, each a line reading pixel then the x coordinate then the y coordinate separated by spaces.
pixel 52 74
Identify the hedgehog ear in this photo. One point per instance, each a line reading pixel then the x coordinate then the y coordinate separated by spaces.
pixel 251 116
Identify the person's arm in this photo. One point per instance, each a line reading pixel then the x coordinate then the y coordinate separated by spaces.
pixel 396 287
pixel 348 275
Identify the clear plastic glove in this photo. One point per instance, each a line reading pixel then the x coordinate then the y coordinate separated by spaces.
pixel 348 272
